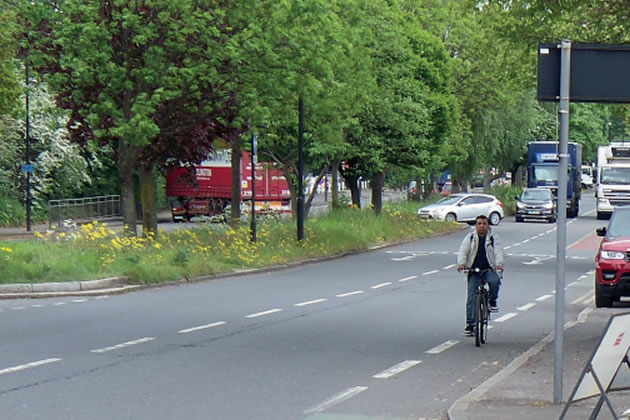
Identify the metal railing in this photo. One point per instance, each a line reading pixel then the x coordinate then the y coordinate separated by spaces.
pixel 83 209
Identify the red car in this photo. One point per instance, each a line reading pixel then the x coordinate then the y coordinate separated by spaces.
pixel 612 262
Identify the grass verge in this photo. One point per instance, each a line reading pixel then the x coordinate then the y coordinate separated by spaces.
pixel 95 251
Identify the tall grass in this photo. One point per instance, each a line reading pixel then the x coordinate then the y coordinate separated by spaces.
pixel 95 251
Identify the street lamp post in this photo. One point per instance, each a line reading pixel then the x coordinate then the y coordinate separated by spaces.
pixel 28 151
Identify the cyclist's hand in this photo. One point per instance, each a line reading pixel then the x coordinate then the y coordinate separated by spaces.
pixel 500 268
pixel 460 267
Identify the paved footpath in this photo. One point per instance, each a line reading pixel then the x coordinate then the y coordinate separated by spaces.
pixel 524 389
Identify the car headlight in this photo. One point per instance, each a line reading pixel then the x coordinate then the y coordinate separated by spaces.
pixel 520 205
pixel 612 255
pixel 548 206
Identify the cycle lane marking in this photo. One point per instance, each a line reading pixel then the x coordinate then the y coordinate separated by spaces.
pixel 526 307
pixel 506 317
pixel 444 346
pixel 396 369
pixel 336 399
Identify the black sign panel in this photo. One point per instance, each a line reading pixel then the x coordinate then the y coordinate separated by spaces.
pixel 599 73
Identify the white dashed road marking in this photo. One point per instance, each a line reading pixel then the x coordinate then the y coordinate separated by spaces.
pixel 394 370
pixel 430 272
pixel 526 307
pixel 123 345
pixel 439 349
pixel 263 313
pixel 505 317
pixel 29 365
pixel 448 267
pixel 336 399
pixel 543 298
pixel 201 327
pixel 408 278
pixel 356 292
pixel 310 302
pixel 378 286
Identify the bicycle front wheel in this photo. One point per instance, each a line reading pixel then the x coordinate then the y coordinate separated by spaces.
pixel 485 315
pixel 478 320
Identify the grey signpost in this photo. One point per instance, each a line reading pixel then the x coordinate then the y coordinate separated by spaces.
pixel 580 73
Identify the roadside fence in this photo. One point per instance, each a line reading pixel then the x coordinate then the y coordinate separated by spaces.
pixel 83 209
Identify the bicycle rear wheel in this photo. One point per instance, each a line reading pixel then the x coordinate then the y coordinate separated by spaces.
pixel 478 320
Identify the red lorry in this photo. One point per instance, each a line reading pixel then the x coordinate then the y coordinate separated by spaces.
pixel 213 190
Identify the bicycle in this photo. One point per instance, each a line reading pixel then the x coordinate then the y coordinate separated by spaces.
pixel 481 310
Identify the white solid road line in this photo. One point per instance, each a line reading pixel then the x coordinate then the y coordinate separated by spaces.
pixel 123 345
pixel 310 302
pixel 506 317
pixel 378 286
pixel 29 365
pixel 263 313
pixel 336 399
pixel 394 370
pixel 202 327
pixel 439 349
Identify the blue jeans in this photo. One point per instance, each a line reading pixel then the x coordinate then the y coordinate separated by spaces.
pixel 493 280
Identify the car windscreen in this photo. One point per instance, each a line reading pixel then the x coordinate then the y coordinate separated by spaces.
pixel 619 224
pixel 540 195
pixel 615 175
pixel 451 199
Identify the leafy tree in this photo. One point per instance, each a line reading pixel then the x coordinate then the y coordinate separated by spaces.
pixel 134 75
pixel 410 113
pixel 299 49
pixel 60 170
pixel 9 88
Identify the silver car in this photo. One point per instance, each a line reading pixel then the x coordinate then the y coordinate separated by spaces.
pixel 464 207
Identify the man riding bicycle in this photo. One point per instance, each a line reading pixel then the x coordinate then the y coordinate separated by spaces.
pixel 481 250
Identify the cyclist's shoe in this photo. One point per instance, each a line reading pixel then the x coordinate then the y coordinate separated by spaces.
pixel 494 307
pixel 469 330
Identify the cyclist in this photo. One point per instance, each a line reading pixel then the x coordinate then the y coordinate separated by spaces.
pixel 480 249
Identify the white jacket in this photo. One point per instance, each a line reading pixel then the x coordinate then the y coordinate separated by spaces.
pixel 468 249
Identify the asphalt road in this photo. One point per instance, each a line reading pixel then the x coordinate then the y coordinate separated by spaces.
pixel 376 334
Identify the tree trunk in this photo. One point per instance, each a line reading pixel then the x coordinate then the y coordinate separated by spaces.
pixel 311 194
pixel 335 183
pixel 235 213
pixel 147 198
pixel 355 192
pixel 377 183
pixel 428 188
pixel 127 155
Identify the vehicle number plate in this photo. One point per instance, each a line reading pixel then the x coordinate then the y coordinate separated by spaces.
pixel 533 212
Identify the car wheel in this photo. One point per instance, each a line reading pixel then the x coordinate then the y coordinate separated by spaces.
pixel 494 218
pixel 601 300
pixel 450 217
pixel 552 220
pixel 518 219
pixel 600 216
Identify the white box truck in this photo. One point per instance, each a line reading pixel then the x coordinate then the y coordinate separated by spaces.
pixel 613 178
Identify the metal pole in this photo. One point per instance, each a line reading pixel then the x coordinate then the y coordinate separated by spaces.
pixel 561 241
pixel 253 157
pixel 300 203
pixel 28 151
